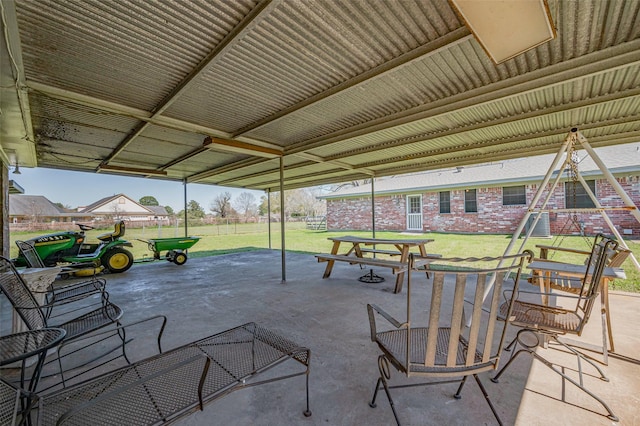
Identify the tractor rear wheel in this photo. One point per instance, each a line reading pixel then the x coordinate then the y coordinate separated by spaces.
pixel 117 260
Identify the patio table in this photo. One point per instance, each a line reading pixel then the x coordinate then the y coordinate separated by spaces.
pixel 19 347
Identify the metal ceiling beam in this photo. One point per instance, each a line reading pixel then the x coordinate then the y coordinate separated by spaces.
pixel 230 40
pixel 474 158
pixel 619 56
pixel 332 161
pixel 584 103
pixel 184 157
pixel 367 168
pixel 306 176
pixel 307 183
pixel 312 159
pixel 447 41
pixel 224 169
pixel 134 170
pixel 622 55
pixel 498 142
pixel 242 147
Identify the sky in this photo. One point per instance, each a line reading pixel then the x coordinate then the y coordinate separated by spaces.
pixel 76 189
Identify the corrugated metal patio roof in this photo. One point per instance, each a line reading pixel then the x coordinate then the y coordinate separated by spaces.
pixel 215 92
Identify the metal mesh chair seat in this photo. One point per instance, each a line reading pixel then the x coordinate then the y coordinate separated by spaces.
pixel 543 317
pixel 78 289
pixel 394 343
pixel 27 342
pixel 90 321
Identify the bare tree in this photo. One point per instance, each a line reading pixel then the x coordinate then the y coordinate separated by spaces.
pixel 246 205
pixel 297 202
pixel 221 205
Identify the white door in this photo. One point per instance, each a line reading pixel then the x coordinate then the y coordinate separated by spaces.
pixel 414 213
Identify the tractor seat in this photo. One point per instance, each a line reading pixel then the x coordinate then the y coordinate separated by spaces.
pixel 118 231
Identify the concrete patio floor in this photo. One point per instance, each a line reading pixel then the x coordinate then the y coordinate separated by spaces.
pixel 209 295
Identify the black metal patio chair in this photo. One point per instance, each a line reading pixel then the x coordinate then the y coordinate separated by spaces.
pixel 432 341
pixel 15 404
pixel 33 315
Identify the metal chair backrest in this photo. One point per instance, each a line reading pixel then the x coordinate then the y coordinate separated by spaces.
pixel 31 256
pixel 19 295
pixel 458 291
pixel 601 254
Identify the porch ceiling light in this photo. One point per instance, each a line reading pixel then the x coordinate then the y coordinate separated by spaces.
pixel 507 28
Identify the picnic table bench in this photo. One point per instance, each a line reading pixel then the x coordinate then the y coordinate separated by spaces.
pixel 361 245
pixel 167 386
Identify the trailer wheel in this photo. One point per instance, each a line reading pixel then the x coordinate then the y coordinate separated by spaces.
pixel 117 260
pixel 180 258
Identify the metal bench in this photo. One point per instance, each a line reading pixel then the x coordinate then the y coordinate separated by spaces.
pixel 167 386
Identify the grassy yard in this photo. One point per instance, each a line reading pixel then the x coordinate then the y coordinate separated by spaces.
pixel 221 239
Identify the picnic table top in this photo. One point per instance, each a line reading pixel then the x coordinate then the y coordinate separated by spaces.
pixel 365 240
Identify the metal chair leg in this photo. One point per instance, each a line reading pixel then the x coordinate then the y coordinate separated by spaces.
pixel 486 397
pixel 547 363
pixel 462 382
pixel 385 374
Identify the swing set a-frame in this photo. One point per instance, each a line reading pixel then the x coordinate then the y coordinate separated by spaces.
pixel 574 140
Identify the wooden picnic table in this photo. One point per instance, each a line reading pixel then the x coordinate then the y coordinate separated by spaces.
pixel 358 246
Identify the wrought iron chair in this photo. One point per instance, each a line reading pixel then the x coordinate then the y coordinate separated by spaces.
pixel 57 295
pixel 440 345
pixel 33 314
pixel 573 283
pixel 15 405
pixel 546 324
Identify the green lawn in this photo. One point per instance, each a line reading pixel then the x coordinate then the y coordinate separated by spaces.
pixel 221 239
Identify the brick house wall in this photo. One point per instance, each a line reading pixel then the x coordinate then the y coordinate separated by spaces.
pixel 492 217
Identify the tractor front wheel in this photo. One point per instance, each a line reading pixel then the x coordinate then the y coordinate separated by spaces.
pixel 117 260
